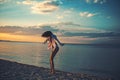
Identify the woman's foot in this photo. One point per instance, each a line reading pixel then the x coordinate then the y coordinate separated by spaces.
pixel 52 72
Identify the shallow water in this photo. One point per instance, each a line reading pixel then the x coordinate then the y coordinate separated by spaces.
pixel 95 59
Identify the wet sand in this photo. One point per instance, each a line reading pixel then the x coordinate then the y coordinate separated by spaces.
pixel 17 71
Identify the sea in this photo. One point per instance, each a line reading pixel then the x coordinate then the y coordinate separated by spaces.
pixel 97 59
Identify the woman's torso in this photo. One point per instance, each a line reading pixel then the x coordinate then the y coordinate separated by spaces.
pixel 52 44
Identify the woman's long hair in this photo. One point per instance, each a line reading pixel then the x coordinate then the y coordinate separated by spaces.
pixel 47 34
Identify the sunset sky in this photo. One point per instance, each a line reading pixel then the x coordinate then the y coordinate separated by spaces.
pixel 74 21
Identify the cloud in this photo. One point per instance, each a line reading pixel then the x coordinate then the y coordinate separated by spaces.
pixel 64 14
pixel 87 14
pixel 19 30
pixel 1 1
pixel 96 1
pixel 31 30
pixel 66 33
pixel 49 28
pixel 94 35
pixel 42 7
pixel 87 1
pixel 28 2
pixel 60 16
pixel 61 28
pixel 67 23
pixel 4 1
pixel 65 27
pixel 59 24
pixel 68 27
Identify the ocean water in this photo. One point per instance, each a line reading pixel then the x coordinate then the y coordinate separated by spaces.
pixel 94 59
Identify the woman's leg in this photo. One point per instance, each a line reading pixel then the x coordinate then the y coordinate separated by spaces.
pixel 51 59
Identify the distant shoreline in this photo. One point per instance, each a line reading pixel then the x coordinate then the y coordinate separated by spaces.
pixel 105 45
pixel 18 41
pixel 16 71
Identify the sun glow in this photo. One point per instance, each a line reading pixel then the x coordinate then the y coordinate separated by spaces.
pixel 24 38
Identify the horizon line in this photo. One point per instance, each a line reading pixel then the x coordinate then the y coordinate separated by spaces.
pixel 97 44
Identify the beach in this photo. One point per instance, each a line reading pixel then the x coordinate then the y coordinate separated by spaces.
pixel 10 70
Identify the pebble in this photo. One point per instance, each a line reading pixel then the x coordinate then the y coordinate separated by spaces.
pixel 69 74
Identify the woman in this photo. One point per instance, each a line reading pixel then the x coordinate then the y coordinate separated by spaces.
pixel 52 44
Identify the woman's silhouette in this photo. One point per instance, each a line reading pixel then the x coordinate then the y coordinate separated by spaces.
pixel 52 44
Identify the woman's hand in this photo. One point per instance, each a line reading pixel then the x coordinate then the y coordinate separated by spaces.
pixel 62 44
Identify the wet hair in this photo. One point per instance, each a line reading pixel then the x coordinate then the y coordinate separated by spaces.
pixel 47 34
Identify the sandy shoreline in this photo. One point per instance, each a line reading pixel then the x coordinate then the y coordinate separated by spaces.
pixel 16 71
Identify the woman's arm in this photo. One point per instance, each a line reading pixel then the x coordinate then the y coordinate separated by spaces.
pixel 58 41
pixel 45 41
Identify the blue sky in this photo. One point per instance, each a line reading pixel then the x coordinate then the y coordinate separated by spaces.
pixel 97 13
pixel 64 16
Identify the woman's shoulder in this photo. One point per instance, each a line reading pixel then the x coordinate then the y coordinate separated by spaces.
pixel 54 36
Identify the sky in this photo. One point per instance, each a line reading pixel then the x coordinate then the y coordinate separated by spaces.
pixel 73 21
